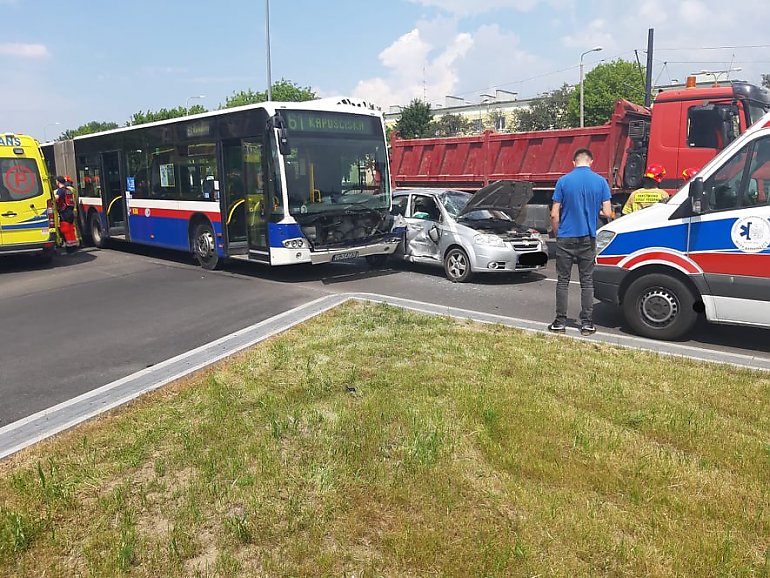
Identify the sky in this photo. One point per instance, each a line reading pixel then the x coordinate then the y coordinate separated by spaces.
pixel 65 64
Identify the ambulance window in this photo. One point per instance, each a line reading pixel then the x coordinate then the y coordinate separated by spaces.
pixel 20 179
pixel 759 175
pixel 724 185
pixel 741 181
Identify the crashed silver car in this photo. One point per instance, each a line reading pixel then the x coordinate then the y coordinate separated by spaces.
pixel 469 233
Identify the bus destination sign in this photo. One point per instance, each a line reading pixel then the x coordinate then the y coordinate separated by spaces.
pixel 309 121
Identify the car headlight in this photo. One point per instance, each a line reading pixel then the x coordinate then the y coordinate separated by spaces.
pixel 603 238
pixel 489 240
pixel 294 244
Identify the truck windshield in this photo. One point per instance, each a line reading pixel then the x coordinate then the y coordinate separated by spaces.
pixel 340 167
pixel 756 111
pixel 20 179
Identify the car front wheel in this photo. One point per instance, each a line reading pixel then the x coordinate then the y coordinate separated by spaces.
pixel 457 266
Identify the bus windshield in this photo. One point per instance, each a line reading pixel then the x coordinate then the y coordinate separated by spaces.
pixel 336 165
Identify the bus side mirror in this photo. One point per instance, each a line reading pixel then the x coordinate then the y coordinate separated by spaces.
pixel 698 197
pixel 283 142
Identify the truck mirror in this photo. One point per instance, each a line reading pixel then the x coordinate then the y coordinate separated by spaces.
pixel 698 197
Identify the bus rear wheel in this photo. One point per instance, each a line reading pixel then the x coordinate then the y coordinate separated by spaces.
pixel 204 247
pixel 95 228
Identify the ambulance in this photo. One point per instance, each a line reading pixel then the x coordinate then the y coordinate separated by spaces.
pixel 706 252
pixel 26 202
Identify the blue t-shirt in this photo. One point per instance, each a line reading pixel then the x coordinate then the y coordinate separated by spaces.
pixel 581 193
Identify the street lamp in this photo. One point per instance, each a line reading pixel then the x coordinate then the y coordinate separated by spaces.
pixel 45 134
pixel 267 40
pixel 189 98
pixel 717 73
pixel 594 49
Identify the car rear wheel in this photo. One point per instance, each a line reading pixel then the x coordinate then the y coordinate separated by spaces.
pixel 457 266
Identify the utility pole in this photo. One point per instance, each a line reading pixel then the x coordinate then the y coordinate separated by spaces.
pixel 648 80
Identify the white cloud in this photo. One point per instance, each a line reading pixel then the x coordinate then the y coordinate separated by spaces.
pixel 467 7
pixel 23 50
pixel 595 34
pixel 415 67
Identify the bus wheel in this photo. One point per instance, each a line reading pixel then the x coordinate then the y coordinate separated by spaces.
pixel 660 307
pixel 205 247
pixel 95 227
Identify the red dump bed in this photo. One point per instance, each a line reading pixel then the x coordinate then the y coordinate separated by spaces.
pixel 470 162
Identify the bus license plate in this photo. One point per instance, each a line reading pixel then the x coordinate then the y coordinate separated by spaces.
pixel 345 256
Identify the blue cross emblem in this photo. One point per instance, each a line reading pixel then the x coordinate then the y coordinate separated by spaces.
pixel 746 231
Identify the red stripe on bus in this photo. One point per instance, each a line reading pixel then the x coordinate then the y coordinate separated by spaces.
pixel 174 214
pixel 743 264
pixel 661 256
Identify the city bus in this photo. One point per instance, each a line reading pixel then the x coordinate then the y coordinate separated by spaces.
pixel 276 183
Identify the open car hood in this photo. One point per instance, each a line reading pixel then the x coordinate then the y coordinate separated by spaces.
pixel 510 197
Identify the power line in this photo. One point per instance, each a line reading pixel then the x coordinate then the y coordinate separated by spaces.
pixel 719 47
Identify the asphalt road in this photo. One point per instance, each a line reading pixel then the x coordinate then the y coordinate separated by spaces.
pixel 99 315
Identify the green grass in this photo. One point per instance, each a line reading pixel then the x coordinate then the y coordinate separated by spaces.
pixel 376 442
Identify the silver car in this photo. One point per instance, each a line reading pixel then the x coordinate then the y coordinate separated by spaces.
pixel 469 233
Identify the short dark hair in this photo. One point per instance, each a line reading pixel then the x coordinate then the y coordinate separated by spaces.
pixel 60 180
pixel 584 151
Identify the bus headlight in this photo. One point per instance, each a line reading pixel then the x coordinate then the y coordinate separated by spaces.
pixel 603 238
pixel 294 244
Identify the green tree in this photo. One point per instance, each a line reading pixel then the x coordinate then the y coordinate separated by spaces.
pixel 416 120
pixel 283 91
pixel 602 87
pixel 547 112
pixel 89 128
pixel 142 117
pixel 450 125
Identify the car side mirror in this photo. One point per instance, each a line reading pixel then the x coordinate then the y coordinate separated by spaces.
pixel 698 198
pixel 434 234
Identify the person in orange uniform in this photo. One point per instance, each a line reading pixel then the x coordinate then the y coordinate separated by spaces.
pixel 65 206
pixel 650 192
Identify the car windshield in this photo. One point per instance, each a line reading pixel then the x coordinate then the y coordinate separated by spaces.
pixel 454 202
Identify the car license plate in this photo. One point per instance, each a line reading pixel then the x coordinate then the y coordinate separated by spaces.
pixel 345 256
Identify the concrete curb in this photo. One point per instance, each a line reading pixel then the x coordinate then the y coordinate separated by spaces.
pixel 42 425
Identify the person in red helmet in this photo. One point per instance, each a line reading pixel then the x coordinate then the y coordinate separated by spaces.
pixel 65 206
pixel 650 192
pixel 689 173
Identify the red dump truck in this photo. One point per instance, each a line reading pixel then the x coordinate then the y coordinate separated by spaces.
pixel 683 129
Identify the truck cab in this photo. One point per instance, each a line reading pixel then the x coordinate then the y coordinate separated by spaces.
pixel 706 251
pixel 689 126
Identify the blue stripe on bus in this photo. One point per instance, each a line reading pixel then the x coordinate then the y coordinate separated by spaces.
pixel 167 232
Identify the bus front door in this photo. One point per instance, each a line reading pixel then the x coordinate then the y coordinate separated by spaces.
pixel 257 210
pixel 234 201
pixel 113 196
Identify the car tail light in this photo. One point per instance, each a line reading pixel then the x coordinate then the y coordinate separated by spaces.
pixel 49 210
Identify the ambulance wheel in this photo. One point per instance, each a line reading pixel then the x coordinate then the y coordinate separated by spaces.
pixel 204 247
pixel 457 266
pixel 95 229
pixel 660 307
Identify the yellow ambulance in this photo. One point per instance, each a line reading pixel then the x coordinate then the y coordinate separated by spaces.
pixel 27 222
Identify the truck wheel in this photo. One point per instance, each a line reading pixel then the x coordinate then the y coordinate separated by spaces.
pixel 204 246
pixel 95 227
pixel 457 266
pixel 660 307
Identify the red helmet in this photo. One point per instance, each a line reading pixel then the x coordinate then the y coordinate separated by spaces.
pixel 655 172
pixel 67 178
pixel 689 173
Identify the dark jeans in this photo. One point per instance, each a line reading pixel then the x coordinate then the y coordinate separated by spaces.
pixel 580 250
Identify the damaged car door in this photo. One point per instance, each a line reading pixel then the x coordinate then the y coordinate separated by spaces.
pixel 423 218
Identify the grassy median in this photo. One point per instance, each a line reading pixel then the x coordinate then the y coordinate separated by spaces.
pixel 376 442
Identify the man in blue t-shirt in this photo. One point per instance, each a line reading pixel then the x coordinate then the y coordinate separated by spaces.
pixel 579 197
